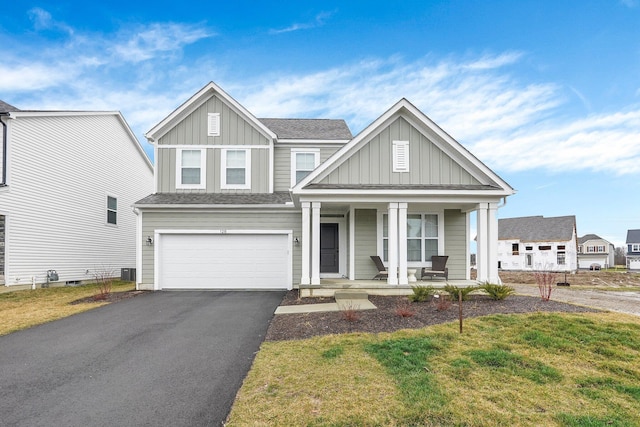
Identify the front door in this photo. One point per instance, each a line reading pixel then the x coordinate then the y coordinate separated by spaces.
pixel 329 252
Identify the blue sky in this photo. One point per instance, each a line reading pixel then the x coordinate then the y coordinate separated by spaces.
pixel 546 93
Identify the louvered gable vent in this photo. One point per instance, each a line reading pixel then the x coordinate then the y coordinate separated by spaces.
pixel 401 156
pixel 214 124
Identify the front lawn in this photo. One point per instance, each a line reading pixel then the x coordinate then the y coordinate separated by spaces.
pixel 23 309
pixel 535 369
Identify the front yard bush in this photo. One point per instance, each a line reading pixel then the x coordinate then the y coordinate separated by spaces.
pixel 421 293
pixel 455 291
pixel 497 292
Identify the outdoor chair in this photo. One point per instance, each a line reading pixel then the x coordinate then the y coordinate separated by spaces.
pixel 382 270
pixel 438 268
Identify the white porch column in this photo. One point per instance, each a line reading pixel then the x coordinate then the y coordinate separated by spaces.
pixel 315 242
pixel 393 244
pixel 306 243
pixel 352 243
pixel 492 243
pixel 481 243
pixel 402 244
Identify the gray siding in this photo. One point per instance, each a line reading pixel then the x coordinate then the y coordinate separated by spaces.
pixel 285 220
pixel 365 243
pixel 282 159
pixel 455 243
pixel 234 129
pixel 372 164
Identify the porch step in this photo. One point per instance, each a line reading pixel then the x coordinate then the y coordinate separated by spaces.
pixel 350 295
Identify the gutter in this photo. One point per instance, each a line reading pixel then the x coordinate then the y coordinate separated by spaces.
pixel 3 180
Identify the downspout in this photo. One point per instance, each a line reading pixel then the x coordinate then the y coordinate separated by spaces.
pixel 3 182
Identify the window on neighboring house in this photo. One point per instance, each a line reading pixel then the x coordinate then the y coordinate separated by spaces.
pixel 400 156
pixel 422 237
pixel 112 210
pixel 635 247
pixel 544 248
pixel 600 249
pixel 528 248
pixel 213 124
pixel 190 165
pixel 302 163
pixel 591 249
pixel 561 247
pixel 236 169
pixel 515 249
pixel 529 260
pixel 561 258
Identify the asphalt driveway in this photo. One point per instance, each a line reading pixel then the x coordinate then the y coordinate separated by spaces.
pixel 161 359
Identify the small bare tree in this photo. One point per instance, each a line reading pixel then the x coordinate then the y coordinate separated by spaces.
pixel 104 279
pixel 545 280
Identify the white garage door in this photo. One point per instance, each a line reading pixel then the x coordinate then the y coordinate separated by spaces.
pixel 634 264
pixel 224 261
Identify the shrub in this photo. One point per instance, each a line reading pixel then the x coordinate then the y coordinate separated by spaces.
pixel 421 293
pixel 456 291
pixel 545 280
pixel 404 309
pixel 497 292
pixel 443 302
pixel 350 313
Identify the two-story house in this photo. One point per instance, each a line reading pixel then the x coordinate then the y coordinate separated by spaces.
pixel 242 202
pixel 538 243
pixel 633 250
pixel 594 252
pixel 68 181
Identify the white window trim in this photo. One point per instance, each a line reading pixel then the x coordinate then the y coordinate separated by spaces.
pixel 441 237
pixel 635 247
pixel 294 152
pixel 203 170
pixel 247 170
pixel 213 124
pixel 106 202
pixel 400 156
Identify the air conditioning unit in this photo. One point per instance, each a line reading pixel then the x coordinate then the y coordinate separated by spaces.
pixel 128 274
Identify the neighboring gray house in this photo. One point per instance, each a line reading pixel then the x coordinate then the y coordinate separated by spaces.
pixel 633 250
pixel 68 180
pixel 538 243
pixel 242 202
pixel 595 251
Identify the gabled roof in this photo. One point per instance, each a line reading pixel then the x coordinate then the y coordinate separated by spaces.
pixel 403 108
pixel 6 108
pixel 537 228
pixel 199 98
pixel 588 237
pixel 633 236
pixel 314 129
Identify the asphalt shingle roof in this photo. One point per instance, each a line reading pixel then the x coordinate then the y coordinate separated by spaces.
pixel 327 129
pixel 399 187
pixel 633 236
pixel 537 228
pixel 587 237
pixel 216 199
pixel 6 108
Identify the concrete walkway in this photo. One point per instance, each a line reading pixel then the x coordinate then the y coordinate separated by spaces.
pixel 619 301
pixel 345 300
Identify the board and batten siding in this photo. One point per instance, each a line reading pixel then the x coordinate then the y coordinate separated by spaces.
pixel 235 220
pixel 62 170
pixel 372 163
pixel 455 243
pixel 282 159
pixel 365 243
pixel 193 129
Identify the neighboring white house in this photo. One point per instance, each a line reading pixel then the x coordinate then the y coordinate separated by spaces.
pixel 68 181
pixel 595 252
pixel 538 243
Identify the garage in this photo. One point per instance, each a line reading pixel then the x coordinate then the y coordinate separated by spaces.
pixel 224 261
pixel 634 264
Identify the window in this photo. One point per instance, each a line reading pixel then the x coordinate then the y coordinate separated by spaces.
pixel 561 247
pixel 422 237
pixel 635 247
pixel 213 124
pixel 600 249
pixel 112 210
pixel 529 260
pixel 544 248
pixel 591 249
pixel 515 249
pixel 236 169
pixel 302 163
pixel 528 248
pixel 561 258
pixel 190 165
pixel 400 156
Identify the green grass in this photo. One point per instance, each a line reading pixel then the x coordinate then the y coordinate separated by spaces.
pixel 505 370
pixel 27 308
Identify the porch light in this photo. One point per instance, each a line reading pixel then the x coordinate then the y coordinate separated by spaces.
pixel 149 241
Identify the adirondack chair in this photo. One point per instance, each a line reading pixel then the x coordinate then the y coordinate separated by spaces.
pixel 382 270
pixel 438 268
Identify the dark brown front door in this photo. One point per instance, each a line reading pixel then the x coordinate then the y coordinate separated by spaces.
pixel 329 248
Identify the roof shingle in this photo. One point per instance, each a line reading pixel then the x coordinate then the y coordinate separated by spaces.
pixel 537 228
pixel 327 129
pixel 279 198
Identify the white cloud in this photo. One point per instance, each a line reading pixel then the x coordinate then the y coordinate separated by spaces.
pixel 42 20
pixel 318 21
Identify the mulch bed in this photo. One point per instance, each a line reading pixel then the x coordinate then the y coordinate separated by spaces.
pixel 386 319
pixel 111 297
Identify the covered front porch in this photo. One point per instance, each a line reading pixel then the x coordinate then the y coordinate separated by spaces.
pixel 338 240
